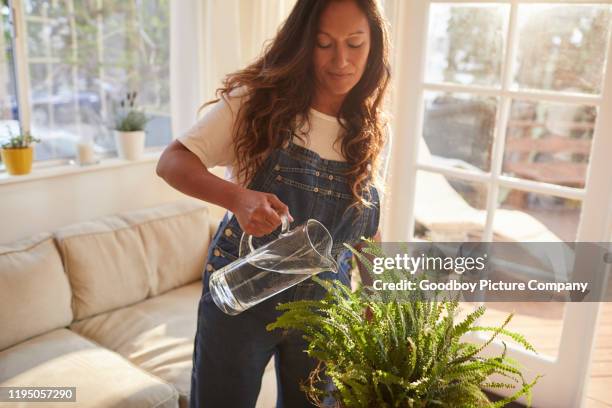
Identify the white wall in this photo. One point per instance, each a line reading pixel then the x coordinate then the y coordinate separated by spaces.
pixel 33 206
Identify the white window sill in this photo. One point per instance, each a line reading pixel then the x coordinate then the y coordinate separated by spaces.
pixel 43 172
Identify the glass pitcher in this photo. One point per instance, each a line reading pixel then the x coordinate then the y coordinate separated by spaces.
pixel 272 268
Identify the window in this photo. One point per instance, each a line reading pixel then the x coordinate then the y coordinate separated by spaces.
pixel 8 96
pixel 81 58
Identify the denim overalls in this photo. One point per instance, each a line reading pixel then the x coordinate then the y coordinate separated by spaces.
pixel 231 352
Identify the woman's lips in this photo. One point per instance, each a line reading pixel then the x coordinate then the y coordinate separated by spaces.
pixel 339 76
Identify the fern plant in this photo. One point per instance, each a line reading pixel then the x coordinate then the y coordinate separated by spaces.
pixel 398 353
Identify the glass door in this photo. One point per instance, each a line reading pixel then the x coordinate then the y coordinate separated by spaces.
pixel 504 127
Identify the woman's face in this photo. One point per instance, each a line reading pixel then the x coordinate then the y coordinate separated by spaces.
pixel 341 49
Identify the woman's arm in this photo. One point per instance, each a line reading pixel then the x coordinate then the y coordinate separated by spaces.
pixel 182 169
pixel 257 213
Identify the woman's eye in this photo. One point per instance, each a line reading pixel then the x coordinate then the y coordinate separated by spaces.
pixel 323 45
pixel 355 45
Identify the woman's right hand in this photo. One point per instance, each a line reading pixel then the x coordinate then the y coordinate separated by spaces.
pixel 258 213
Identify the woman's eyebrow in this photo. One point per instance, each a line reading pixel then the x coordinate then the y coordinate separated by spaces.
pixel 354 33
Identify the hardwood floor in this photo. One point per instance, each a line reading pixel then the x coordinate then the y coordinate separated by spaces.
pixel 599 393
pixel 541 324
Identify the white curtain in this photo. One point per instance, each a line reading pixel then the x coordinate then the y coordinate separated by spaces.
pixel 259 21
pixel 234 33
pixel 210 39
pixel 221 47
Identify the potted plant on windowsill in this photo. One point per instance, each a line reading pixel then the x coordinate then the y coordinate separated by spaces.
pixel 129 129
pixel 401 351
pixel 18 153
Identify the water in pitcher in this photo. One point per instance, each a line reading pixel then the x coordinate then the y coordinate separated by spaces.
pixel 276 266
pixel 264 282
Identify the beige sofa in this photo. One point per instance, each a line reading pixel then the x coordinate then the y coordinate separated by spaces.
pixel 109 307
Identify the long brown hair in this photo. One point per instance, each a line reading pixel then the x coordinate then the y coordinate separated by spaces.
pixel 279 86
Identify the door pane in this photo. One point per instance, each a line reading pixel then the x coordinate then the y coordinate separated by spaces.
pixel 529 217
pixel 562 47
pixel 448 209
pixel 458 130
pixel 549 142
pixel 466 43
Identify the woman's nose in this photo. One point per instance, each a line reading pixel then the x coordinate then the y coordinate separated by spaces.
pixel 340 57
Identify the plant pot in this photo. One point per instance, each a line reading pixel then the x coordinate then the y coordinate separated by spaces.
pixel 18 161
pixel 130 145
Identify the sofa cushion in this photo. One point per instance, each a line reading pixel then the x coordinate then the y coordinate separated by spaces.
pixel 34 291
pixel 106 264
pixel 102 378
pixel 157 334
pixel 175 239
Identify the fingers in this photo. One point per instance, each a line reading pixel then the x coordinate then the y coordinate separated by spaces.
pixel 262 221
pixel 269 217
pixel 279 206
pixel 264 214
pixel 257 228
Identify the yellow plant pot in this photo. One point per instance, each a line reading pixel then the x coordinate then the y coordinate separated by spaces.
pixel 17 161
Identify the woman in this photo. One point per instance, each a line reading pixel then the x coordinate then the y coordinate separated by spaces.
pixel 301 132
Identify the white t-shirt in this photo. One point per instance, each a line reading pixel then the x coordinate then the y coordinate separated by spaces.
pixel 211 137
